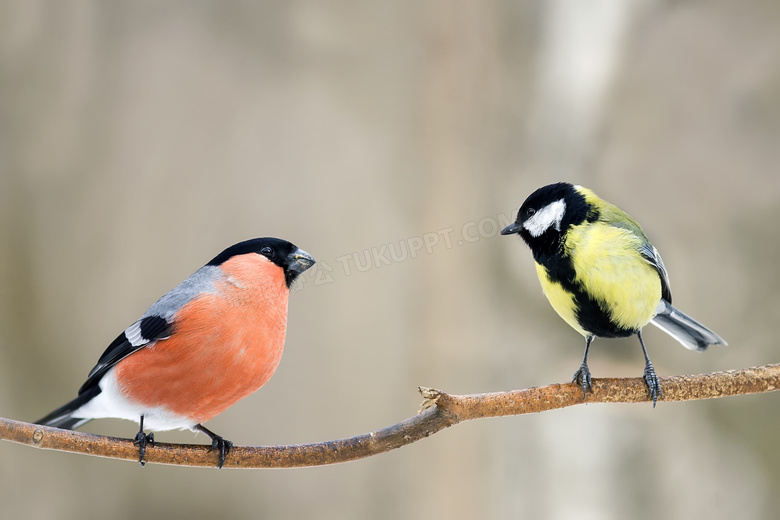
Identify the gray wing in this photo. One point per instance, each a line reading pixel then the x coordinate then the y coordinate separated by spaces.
pixel 156 324
pixel 653 257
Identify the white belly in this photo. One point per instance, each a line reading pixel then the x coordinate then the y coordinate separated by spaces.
pixel 110 403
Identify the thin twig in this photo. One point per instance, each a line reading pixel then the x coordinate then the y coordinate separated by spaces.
pixel 440 410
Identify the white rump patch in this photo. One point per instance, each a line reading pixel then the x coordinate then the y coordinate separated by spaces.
pixel 547 217
pixel 111 403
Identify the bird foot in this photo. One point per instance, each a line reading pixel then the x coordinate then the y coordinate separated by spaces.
pixel 653 385
pixel 218 443
pixel 583 379
pixel 142 439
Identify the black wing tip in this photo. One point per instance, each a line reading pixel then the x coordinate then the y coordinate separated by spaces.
pixel 65 422
pixel 142 333
pixel 62 417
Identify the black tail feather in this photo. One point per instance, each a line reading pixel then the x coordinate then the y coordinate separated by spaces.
pixel 62 417
pixel 692 334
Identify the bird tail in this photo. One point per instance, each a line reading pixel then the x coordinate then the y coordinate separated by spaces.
pixel 692 334
pixel 63 417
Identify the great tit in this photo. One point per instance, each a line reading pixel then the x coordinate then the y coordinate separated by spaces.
pixel 601 274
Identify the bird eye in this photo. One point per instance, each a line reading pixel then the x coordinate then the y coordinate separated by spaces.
pixel 267 251
pixel 530 212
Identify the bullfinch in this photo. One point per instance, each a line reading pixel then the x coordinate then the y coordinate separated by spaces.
pixel 214 339
pixel 601 274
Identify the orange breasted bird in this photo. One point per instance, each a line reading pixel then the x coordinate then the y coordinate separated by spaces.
pixel 601 274
pixel 211 341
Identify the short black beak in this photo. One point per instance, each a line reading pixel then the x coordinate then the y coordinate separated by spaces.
pixel 299 260
pixel 511 229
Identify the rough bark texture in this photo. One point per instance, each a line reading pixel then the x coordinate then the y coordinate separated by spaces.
pixel 440 410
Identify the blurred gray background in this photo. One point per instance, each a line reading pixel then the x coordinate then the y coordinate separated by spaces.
pixel 139 139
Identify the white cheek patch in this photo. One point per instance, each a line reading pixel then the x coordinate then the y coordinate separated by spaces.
pixel 547 217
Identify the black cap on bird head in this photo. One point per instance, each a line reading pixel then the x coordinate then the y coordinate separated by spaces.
pixel 546 214
pixel 286 255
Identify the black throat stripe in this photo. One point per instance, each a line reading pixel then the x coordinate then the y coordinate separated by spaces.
pixel 590 313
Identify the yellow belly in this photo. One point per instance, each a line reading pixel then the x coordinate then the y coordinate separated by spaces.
pixel 562 301
pixel 608 267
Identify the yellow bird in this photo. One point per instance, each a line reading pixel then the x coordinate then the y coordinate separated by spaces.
pixel 601 274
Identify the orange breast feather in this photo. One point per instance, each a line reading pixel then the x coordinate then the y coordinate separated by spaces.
pixel 224 347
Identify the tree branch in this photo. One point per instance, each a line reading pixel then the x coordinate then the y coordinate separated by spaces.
pixel 440 410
